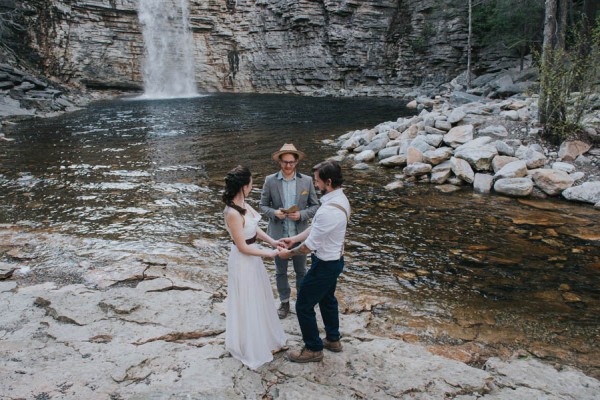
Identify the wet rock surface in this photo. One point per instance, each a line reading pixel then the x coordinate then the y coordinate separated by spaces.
pixel 24 95
pixel 157 330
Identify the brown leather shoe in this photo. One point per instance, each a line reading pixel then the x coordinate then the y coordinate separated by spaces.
pixel 284 310
pixel 336 346
pixel 305 356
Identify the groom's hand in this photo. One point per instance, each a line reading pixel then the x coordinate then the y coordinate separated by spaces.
pixel 280 244
pixel 287 242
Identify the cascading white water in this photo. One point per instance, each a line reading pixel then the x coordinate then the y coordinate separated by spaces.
pixel 168 67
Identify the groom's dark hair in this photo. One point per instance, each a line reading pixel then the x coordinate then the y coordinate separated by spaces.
pixel 330 169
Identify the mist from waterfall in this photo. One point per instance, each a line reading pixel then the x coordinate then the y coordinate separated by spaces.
pixel 168 67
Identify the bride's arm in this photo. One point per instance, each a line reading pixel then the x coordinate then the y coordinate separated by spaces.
pixel 235 222
pixel 264 237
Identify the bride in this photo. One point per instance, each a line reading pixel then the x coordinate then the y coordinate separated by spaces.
pixel 253 330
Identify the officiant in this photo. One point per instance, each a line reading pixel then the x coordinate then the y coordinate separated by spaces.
pixel 289 200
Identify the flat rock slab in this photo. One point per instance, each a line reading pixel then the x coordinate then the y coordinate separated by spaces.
pixel 164 339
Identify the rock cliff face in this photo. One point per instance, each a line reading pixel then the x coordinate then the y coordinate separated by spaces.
pixel 318 47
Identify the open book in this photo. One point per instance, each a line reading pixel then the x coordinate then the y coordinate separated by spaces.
pixel 292 209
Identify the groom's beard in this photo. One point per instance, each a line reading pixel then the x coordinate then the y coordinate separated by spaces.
pixel 323 192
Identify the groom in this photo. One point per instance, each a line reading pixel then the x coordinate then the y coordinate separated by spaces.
pixel 289 200
pixel 325 239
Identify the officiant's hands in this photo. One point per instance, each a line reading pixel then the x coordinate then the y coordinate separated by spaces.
pixel 280 214
pixel 294 216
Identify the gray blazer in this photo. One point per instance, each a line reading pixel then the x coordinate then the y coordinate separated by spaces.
pixel 271 200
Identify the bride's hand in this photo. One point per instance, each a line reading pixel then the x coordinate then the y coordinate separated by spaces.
pixel 273 253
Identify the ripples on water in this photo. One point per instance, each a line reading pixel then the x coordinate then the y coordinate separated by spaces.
pixel 152 171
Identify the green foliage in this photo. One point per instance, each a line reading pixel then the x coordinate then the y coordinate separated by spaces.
pixel 421 42
pixel 514 24
pixel 568 78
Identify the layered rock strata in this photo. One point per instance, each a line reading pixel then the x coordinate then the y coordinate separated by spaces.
pixel 302 47
pixel 22 94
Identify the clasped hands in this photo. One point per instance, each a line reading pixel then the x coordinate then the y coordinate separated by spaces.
pixel 282 247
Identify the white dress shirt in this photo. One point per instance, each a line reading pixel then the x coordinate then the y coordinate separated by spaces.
pixel 326 237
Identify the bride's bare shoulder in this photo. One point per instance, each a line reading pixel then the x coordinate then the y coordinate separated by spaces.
pixel 231 215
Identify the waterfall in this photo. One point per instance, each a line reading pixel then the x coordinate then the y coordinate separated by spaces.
pixel 168 67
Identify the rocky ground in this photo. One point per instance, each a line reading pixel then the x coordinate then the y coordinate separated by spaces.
pixel 149 325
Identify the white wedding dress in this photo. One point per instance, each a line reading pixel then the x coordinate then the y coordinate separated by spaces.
pixel 253 328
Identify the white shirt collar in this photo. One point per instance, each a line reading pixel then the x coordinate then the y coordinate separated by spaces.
pixel 329 196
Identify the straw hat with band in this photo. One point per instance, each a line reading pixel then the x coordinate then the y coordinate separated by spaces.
pixel 288 148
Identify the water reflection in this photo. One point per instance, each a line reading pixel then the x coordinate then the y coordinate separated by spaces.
pixel 465 266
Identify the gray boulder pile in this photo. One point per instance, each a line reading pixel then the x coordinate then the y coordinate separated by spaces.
pixel 491 145
pixel 22 94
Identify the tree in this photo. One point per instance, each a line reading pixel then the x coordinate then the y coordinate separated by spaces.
pixel 515 25
pixel 469 44
pixel 569 72
pixel 544 103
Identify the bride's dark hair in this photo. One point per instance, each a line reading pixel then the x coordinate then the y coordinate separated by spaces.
pixel 234 181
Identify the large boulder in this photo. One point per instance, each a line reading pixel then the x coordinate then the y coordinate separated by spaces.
pixel 483 183
pixel 552 181
pixel 459 135
pixel 437 156
pixel 494 130
pixel 456 115
pixel 393 161
pixel 417 169
pixel 517 187
pixel 500 161
pixel 462 169
pixel 563 166
pixel 570 150
pixel 589 192
pixel 440 173
pixel 478 152
pixel 533 158
pixel 515 169
pixel 359 138
pixel 366 155
pixel 378 143
pixel 388 152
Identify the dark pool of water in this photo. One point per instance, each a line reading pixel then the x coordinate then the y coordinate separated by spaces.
pixel 152 170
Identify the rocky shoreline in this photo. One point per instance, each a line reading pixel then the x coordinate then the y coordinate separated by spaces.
pixel 492 144
pixel 150 324
pixel 25 95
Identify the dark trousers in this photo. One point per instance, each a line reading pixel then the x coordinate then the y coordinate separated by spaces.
pixel 318 287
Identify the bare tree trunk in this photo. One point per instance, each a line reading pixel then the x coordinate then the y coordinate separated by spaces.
pixel 469 45
pixel 561 29
pixel 547 47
